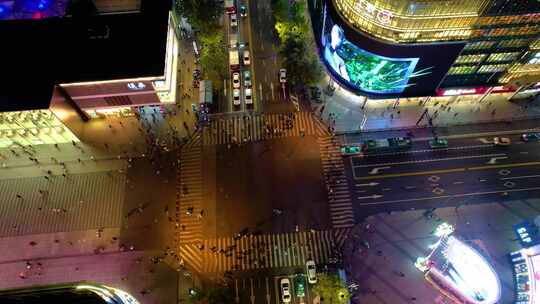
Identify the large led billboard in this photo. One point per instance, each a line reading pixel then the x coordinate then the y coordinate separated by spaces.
pixel 376 68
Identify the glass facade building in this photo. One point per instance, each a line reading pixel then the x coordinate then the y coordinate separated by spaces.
pixel 502 37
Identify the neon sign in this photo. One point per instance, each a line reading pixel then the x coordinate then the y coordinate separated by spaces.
pixel 370 11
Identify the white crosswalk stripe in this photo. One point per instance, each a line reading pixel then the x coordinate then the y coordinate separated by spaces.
pixel 339 198
pixel 265 251
pixel 255 127
pixel 189 192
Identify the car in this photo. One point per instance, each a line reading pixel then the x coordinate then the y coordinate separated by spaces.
pixel 501 141
pixel 248 96
pixel 311 271
pixel 236 80
pixel 282 75
pixel 236 97
pixel 530 137
pixel 438 143
pixel 285 285
pixel 350 150
pixel 247 79
pixel 300 285
pixel 234 20
pixel 246 59
pixel 243 10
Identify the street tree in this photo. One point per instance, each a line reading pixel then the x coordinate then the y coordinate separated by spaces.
pixel 201 14
pixel 331 289
pixel 214 56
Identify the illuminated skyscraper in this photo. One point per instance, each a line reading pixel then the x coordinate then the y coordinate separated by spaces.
pixel 458 43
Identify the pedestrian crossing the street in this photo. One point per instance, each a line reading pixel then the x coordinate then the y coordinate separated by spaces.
pixel 260 251
pixel 189 192
pixel 255 127
pixel 339 198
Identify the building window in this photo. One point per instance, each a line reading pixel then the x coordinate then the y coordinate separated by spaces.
pixel 513 43
pixel 480 45
pixel 498 57
pixel 535 59
pixel 470 58
pixel 493 68
pixel 460 70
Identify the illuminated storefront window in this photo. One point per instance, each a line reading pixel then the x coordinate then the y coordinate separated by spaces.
pixel 32 128
pixel 513 43
pixel 479 45
pixel 459 70
pixel 503 57
pixel 535 59
pixel 470 58
pixel 493 68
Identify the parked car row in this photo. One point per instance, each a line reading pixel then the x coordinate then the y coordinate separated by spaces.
pixel 299 283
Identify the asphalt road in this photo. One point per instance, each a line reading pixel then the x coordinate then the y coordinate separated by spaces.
pixel 255 178
pixel 266 60
pixel 471 170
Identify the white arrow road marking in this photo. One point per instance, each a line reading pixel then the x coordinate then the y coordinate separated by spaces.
pixel 374 196
pixel 260 91
pixel 367 185
pixel 272 89
pixel 493 160
pixel 504 172
pixel 484 140
pixel 376 170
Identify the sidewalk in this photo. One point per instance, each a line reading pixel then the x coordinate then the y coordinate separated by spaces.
pixel 343 110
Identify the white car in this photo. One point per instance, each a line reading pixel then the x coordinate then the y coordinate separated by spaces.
pixel 234 20
pixel 285 290
pixel 246 57
pixel 236 97
pixel 501 141
pixel 248 98
pixel 236 80
pixel 282 75
pixel 311 272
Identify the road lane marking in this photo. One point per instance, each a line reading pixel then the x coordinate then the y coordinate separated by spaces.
pixel 458 183
pixel 376 170
pixel 420 151
pixel 497 155
pixel 494 160
pixel 432 172
pixel 449 196
pixel 520 177
pixel 367 185
pixel 374 196
pixel 484 140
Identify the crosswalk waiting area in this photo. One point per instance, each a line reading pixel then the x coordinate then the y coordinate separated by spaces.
pixel 255 127
pixel 259 251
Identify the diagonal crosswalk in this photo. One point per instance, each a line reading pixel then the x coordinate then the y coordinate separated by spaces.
pixel 339 198
pixel 260 251
pixel 255 127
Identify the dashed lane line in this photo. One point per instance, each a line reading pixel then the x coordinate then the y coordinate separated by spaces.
pixel 418 173
pixel 450 196
pixel 431 160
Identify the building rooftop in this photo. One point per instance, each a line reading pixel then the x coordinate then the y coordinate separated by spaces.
pixel 38 53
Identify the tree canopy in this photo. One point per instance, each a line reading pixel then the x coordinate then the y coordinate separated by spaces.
pixel 331 289
pixel 201 14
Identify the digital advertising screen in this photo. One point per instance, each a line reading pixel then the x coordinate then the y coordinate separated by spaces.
pixel 378 68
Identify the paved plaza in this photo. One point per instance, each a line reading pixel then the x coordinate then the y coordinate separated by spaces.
pixel 380 252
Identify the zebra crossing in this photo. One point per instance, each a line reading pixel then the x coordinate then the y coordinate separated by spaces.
pixel 339 198
pixel 261 251
pixel 255 127
pixel 189 192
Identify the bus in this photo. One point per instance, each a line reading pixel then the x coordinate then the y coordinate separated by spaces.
pixel 387 144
